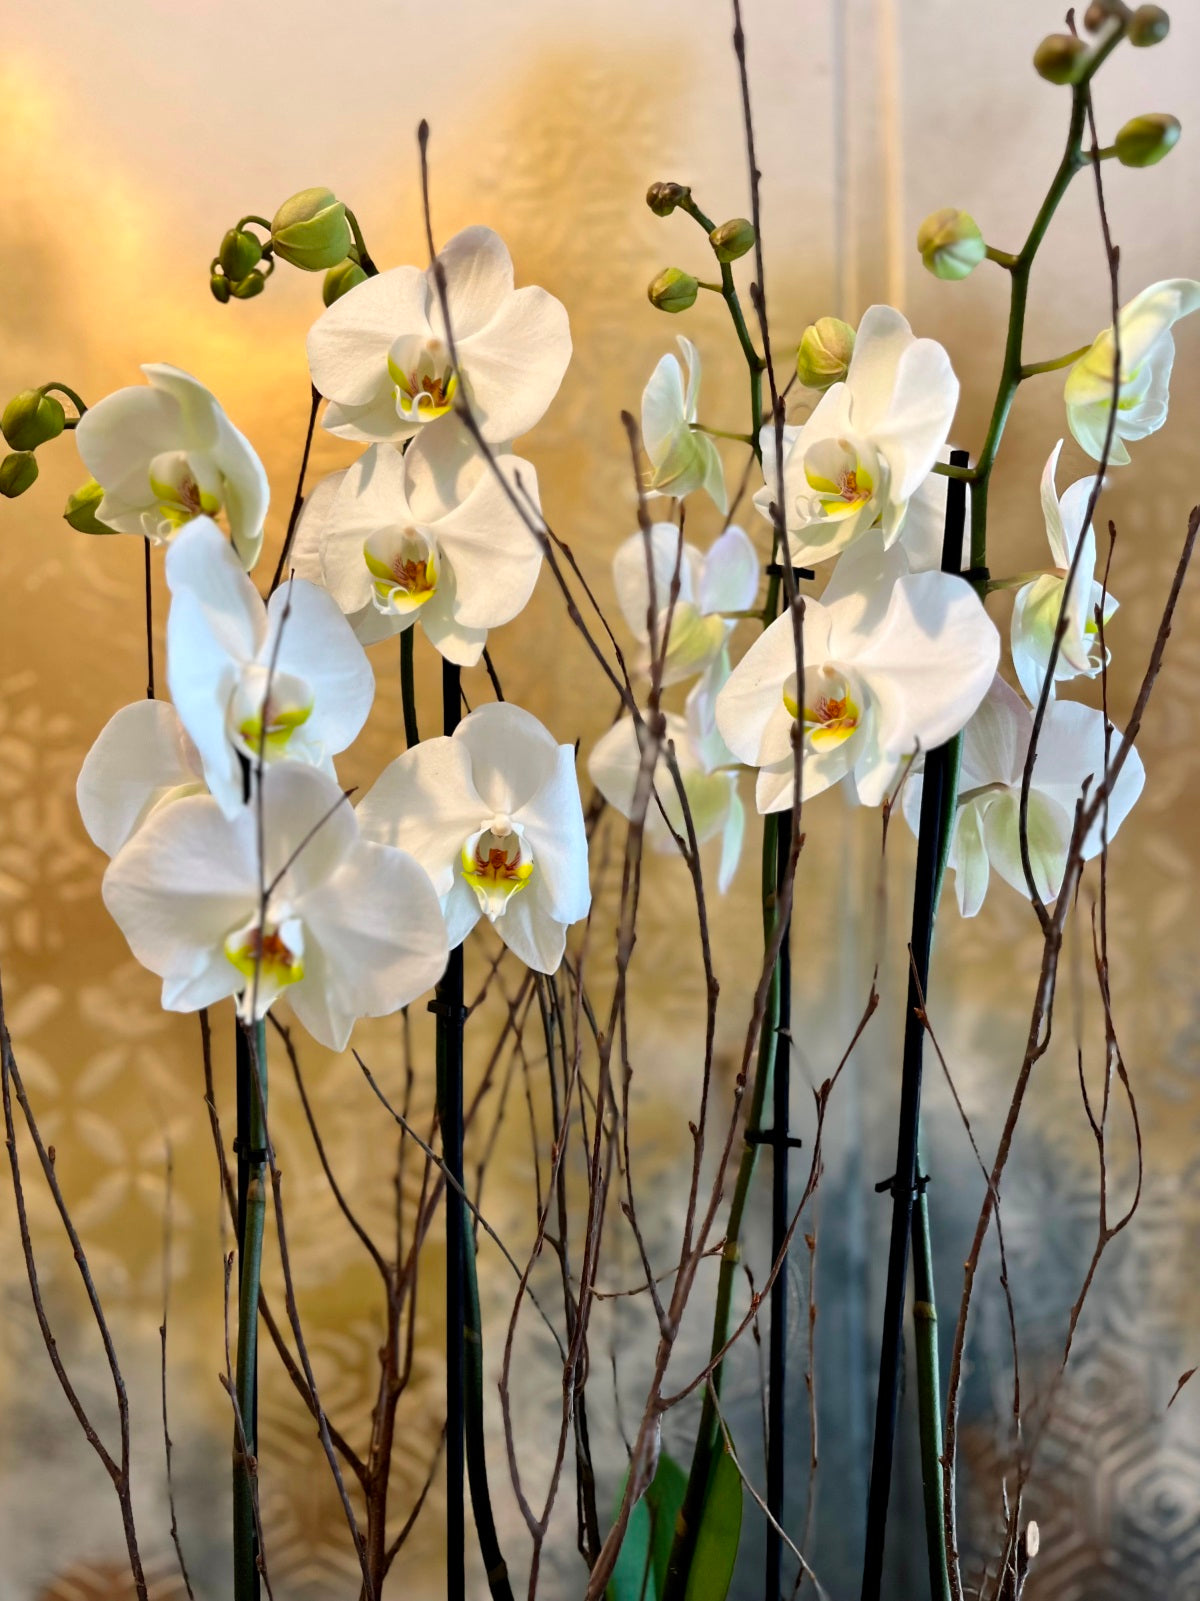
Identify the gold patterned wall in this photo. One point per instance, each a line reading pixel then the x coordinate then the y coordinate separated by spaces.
pixel 132 136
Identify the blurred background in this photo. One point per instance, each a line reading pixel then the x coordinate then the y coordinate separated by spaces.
pixel 131 139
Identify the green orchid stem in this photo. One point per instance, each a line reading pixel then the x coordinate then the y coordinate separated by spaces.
pixel 929 1397
pixel 723 433
pixel 708 1436
pixel 259 222
pixel 252 1211
pixel 65 389
pixel 729 291
pixel 408 688
pixel 364 255
pixel 1031 369
pixel 1002 258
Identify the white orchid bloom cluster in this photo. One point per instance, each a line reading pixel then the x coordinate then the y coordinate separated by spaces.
pixel 239 866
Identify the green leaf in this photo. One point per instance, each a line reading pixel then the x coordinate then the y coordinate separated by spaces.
pixel 665 1498
pixel 632 1575
pixel 717 1538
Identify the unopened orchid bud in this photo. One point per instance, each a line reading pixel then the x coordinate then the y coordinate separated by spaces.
pixel 1061 58
pixel 220 287
pixel 340 280
pixel 826 347
pixel 1099 12
pixel 662 198
pixel 732 239
pixel 18 472
pixel 31 418
pixel 311 231
pixel 252 284
pixel 1145 140
pixel 81 508
pixel 673 290
pixel 239 254
pixel 950 243
pixel 1148 25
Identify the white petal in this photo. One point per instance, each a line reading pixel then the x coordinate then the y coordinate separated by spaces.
pixel 316 643
pixel 371 498
pixel 631 575
pixel 305 557
pixel 140 756
pixel 930 664
pixel 883 337
pixel 512 755
pixel 479 279
pixel 663 409
pixel 425 803
pixel 185 880
pixel 554 826
pixel 457 642
pixel 918 420
pixel 382 941
pixel 995 739
pixel 309 828
pixel 199 413
pixel 731 840
pixel 748 707
pixel 1070 750
pixel 247 491
pixel 1048 832
pixel 513 367
pixel 531 932
pixel 969 858
pixel 729 574
pixel 349 342
pixel 119 436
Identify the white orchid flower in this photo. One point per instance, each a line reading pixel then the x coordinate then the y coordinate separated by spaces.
pixel 681 457
pixel 351 928
pixel 888 672
pixel 428 536
pixel 1147 355
pixel 381 355
pixel 707 769
pixel 1038 605
pixel 226 650
pixel 868 446
pixel 493 815
pixel 164 454
pixel 142 759
pixel 724 580
pixel 987 822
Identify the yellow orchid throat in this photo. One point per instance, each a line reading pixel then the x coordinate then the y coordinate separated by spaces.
pixel 497 866
pixel 403 566
pixel 281 723
pixel 266 954
pixel 829 715
pixel 184 489
pixel 426 383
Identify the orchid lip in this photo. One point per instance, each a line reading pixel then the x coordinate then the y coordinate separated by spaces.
pixel 404 568
pixel 425 381
pixel 270 956
pixel 265 711
pixel 497 863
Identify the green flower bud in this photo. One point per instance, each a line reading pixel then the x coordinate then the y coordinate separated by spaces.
pixel 17 473
pixel 340 280
pixel 824 354
pixel 732 239
pixel 1148 25
pixel 30 419
pixel 220 287
pixel 310 230
pixel 240 253
pixel 1098 13
pixel 662 198
pixel 252 284
pixel 1145 140
pixel 81 508
pixel 950 243
pixel 1061 58
pixel 673 290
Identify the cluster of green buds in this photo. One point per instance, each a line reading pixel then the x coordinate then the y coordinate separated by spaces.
pixel 674 289
pixel 312 231
pixel 30 419
pixel 1065 58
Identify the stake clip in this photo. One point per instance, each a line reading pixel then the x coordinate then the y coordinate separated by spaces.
pixel 454 1011
pixel 892 1184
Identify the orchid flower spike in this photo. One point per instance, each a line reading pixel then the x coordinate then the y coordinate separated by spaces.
pixel 381 355
pixel 1071 754
pixel 888 672
pixel 165 453
pixel 1038 605
pixel 724 580
pixel 141 760
pixel 493 814
pixel 344 927
pixel 707 769
pixel 430 536
pixel 1147 355
pixel 285 681
pixel 681 457
pixel 868 446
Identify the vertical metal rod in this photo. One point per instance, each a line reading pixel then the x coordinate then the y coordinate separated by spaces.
pixel 940 774
pixel 777 1361
pixel 449 1010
